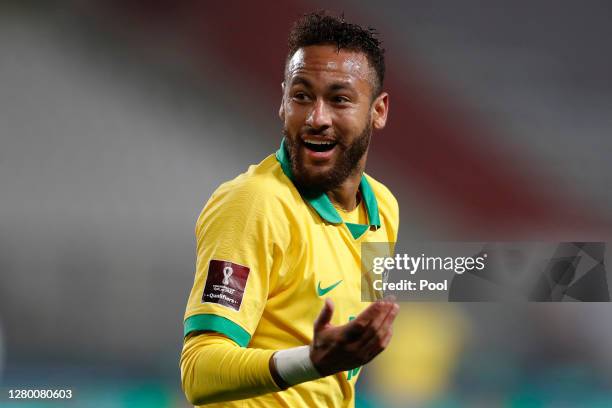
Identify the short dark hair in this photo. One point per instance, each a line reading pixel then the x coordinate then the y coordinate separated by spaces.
pixel 320 28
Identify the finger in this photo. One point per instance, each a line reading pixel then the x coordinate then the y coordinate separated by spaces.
pixel 380 319
pixel 365 326
pixel 387 338
pixel 325 316
pixel 387 324
pixel 376 340
pixel 374 315
pixel 375 309
pixel 372 349
pixel 377 321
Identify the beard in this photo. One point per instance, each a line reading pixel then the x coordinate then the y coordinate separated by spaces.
pixel 345 165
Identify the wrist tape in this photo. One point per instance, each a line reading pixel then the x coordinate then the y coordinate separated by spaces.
pixel 294 365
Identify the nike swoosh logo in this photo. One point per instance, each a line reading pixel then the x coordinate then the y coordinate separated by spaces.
pixel 322 291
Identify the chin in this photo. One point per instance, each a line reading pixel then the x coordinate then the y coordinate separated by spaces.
pixel 315 172
pixel 320 181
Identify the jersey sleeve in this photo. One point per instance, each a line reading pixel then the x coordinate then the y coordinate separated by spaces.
pixel 213 369
pixel 239 247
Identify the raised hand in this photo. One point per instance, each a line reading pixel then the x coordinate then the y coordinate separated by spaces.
pixel 340 348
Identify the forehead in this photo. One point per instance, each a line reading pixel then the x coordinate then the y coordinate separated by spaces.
pixel 326 62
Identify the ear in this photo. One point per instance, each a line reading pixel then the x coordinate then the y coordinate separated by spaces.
pixel 380 111
pixel 281 110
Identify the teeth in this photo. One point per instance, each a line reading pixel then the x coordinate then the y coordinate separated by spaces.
pixel 319 142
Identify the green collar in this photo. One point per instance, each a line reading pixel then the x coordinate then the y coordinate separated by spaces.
pixel 321 202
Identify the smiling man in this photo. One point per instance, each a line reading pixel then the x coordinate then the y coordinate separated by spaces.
pixel 275 316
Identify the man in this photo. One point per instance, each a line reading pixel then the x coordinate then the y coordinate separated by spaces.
pixel 279 242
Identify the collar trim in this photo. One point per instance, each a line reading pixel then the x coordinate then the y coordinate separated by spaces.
pixel 321 203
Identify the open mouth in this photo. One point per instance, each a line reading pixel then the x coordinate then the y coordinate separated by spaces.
pixel 319 145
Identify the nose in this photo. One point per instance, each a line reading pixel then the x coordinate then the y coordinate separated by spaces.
pixel 320 115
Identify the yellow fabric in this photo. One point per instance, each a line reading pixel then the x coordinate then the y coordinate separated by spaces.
pixel 260 220
pixel 214 368
pixel 357 216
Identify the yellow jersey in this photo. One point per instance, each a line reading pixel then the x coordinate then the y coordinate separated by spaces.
pixel 268 256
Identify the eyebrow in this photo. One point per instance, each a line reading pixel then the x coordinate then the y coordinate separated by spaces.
pixel 336 86
pixel 339 86
pixel 301 81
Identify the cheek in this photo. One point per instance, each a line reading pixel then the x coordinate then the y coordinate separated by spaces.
pixel 351 122
pixel 294 115
pixel 288 110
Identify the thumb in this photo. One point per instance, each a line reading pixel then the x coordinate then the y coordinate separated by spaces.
pixel 325 316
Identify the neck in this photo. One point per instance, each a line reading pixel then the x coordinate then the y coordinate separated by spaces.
pixel 345 195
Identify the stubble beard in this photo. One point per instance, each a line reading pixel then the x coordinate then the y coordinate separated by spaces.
pixel 346 164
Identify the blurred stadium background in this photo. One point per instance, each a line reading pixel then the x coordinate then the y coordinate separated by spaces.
pixel 119 118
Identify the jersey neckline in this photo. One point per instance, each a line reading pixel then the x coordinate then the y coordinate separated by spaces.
pixel 321 203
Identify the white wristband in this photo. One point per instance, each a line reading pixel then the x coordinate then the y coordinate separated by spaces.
pixel 295 366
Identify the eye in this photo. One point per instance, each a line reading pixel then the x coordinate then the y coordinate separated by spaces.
pixel 340 99
pixel 300 97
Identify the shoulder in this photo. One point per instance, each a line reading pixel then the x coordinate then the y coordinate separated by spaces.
pixel 257 193
pixel 261 185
